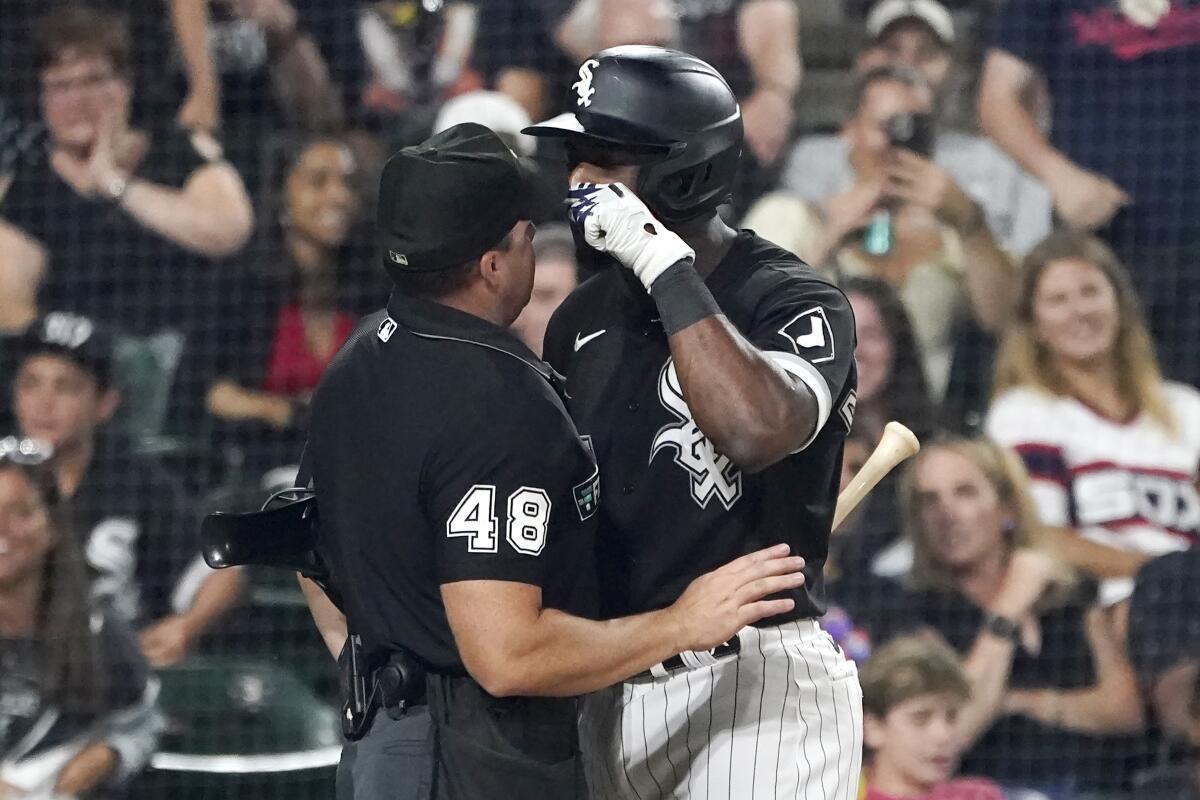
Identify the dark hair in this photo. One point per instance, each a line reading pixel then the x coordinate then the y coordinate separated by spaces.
pixel 905 390
pixel 73 674
pixel 893 74
pixel 358 286
pixel 86 30
pixel 444 282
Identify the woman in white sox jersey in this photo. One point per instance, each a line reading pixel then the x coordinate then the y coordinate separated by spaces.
pixel 714 376
pixel 1113 450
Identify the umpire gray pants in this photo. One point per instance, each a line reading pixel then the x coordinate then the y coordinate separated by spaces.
pixel 393 761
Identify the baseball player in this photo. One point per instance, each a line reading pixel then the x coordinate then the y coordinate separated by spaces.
pixel 713 374
pixel 458 503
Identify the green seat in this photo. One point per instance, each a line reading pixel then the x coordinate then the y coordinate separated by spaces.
pixel 144 368
pixel 242 728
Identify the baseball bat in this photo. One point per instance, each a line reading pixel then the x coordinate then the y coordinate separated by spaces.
pixel 896 444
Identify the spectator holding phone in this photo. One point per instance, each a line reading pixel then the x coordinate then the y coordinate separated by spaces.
pixel 895 213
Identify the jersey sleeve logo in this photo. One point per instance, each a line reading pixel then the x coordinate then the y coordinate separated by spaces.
pixel 587 493
pixel 386 328
pixel 846 409
pixel 810 336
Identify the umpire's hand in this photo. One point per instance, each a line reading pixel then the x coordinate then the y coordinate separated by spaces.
pixel 718 604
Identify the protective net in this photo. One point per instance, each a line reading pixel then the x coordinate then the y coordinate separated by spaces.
pixel 187 197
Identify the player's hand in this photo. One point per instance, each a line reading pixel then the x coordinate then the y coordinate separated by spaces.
pixel 1084 199
pixel 614 220
pixel 720 603
pixel 166 642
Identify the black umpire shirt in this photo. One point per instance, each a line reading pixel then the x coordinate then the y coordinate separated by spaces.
pixel 441 453
pixel 674 508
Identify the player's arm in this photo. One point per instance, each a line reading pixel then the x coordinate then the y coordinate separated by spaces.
pixel 751 409
pixel 512 645
pixel 755 407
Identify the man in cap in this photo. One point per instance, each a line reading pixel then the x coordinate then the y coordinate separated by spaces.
pixel 457 504
pixel 917 34
pixel 130 514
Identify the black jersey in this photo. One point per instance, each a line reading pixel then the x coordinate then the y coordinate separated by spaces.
pixel 674 507
pixel 442 452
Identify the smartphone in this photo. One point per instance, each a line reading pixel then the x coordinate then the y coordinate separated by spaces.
pixel 912 132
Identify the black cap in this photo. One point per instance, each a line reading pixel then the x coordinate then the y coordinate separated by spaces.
pixel 1164 614
pixel 449 199
pixel 75 336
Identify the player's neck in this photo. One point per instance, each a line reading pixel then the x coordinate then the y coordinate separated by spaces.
pixel 884 777
pixel 711 238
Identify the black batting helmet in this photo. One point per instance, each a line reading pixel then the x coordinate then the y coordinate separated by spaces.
pixel 665 103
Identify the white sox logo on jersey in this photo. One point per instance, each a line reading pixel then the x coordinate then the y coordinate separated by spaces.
pixel 583 86
pixel 712 474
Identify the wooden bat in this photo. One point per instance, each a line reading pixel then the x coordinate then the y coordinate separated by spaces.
pixel 896 444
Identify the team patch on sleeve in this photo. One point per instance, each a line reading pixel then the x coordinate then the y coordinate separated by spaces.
pixel 810 336
pixel 846 409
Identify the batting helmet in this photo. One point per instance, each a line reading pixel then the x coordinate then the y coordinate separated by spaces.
pixel 667 104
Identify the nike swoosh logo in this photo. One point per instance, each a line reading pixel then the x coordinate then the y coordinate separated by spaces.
pixel 580 341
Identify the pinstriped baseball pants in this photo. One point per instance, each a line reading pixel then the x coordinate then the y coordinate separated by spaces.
pixel 781 720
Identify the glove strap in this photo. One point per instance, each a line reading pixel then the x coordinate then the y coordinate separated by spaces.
pixel 682 298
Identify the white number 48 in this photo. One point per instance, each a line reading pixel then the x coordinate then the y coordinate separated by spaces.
pixel 528 519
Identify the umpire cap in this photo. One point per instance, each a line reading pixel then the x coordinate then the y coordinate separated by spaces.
pixel 449 199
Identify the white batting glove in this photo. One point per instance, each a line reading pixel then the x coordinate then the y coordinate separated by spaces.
pixel 615 221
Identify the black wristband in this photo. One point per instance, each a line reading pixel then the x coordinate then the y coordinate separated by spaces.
pixel 682 298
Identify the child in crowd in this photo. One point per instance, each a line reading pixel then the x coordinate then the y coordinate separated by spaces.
pixel 913 689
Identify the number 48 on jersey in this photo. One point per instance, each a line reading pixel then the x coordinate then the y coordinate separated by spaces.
pixel 528 517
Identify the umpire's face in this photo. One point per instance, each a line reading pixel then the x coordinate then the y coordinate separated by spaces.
pixel 512 268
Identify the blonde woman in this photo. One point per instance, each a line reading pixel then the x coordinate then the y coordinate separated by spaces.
pixel 1046 672
pixel 1112 448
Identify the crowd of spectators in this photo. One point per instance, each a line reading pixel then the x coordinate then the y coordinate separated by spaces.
pixel 1009 199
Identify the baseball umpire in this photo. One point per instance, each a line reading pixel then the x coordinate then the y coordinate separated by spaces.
pixel 458 502
pixel 714 374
